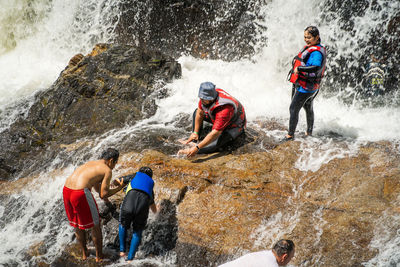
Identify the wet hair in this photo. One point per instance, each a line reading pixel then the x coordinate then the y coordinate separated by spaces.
pixel 283 246
pixel 110 153
pixel 146 170
pixel 313 31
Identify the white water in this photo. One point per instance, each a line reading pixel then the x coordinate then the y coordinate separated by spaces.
pixel 43 42
pixel 386 241
pixel 38 39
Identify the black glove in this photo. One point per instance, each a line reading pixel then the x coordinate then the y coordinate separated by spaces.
pixel 128 178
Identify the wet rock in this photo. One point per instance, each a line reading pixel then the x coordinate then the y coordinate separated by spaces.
pixel 113 86
pixel 230 204
pixel 380 41
pixel 217 207
pixel 221 29
pixel 38 249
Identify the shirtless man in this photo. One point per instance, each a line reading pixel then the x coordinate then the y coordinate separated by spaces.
pixel 80 205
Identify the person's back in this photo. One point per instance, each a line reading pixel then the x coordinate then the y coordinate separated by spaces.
pixel 135 208
pixel 79 203
pixel 88 175
pixel 256 259
pixel 280 255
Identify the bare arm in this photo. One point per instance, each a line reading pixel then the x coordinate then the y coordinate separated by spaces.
pixel 198 121
pixel 211 136
pixel 105 191
pixel 97 187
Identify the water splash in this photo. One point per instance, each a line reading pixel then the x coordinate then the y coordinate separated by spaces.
pixel 23 217
pixel 316 152
pixel 386 241
pixel 45 35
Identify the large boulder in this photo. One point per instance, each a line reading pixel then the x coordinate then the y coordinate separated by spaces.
pixel 113 86
pixel 231 203
pixel 216 207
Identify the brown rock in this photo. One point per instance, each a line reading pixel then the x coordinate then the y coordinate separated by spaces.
pixel 247 202
pixel 222 206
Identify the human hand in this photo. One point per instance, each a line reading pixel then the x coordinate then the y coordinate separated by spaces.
pixel 115 182
pixel 192 137
pixel 192 151
pixel 118 182
pixel 183 151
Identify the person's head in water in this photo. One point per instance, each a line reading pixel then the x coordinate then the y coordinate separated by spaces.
pixel 110 155
pixel 147 170
pixel 284 251
pixel 207 93
pixel 311 36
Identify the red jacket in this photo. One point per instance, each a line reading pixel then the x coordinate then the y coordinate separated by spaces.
pixel 239 117
pixel 308 80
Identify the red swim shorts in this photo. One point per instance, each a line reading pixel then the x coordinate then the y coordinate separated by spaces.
pixel 81 208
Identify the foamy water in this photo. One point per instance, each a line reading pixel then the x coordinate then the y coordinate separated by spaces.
pixel 386 241
pixel 43 42
pixel 44 36
pixel 29 228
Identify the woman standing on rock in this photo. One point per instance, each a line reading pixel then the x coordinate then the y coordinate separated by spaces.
pixel 307 71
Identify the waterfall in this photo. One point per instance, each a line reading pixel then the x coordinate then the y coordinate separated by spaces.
pixel 37 38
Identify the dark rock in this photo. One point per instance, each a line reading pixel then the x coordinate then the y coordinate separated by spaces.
pixel 112 87
pixel 193 255
pixel 221 29
pixel 379 42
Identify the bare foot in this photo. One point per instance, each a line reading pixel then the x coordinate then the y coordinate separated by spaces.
pixel 85 254
pixel 100 258
pixel 122 254
pixel 103 257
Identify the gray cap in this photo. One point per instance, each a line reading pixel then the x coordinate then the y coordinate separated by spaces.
pixel 207 91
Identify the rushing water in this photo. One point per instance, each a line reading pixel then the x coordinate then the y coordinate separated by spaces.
pixel 37 38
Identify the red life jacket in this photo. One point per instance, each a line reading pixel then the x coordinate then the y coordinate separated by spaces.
pixel 238 119
pixel 310 80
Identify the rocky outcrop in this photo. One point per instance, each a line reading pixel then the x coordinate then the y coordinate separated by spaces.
pixel 113 86
pixel 246 202
pixel 217 207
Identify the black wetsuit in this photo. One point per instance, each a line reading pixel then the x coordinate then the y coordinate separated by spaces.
pixel 300 100
pixel 134 212
pixel 135 209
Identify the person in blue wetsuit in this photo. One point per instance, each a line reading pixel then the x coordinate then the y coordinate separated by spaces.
pixel 135 207
pixel 307 71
